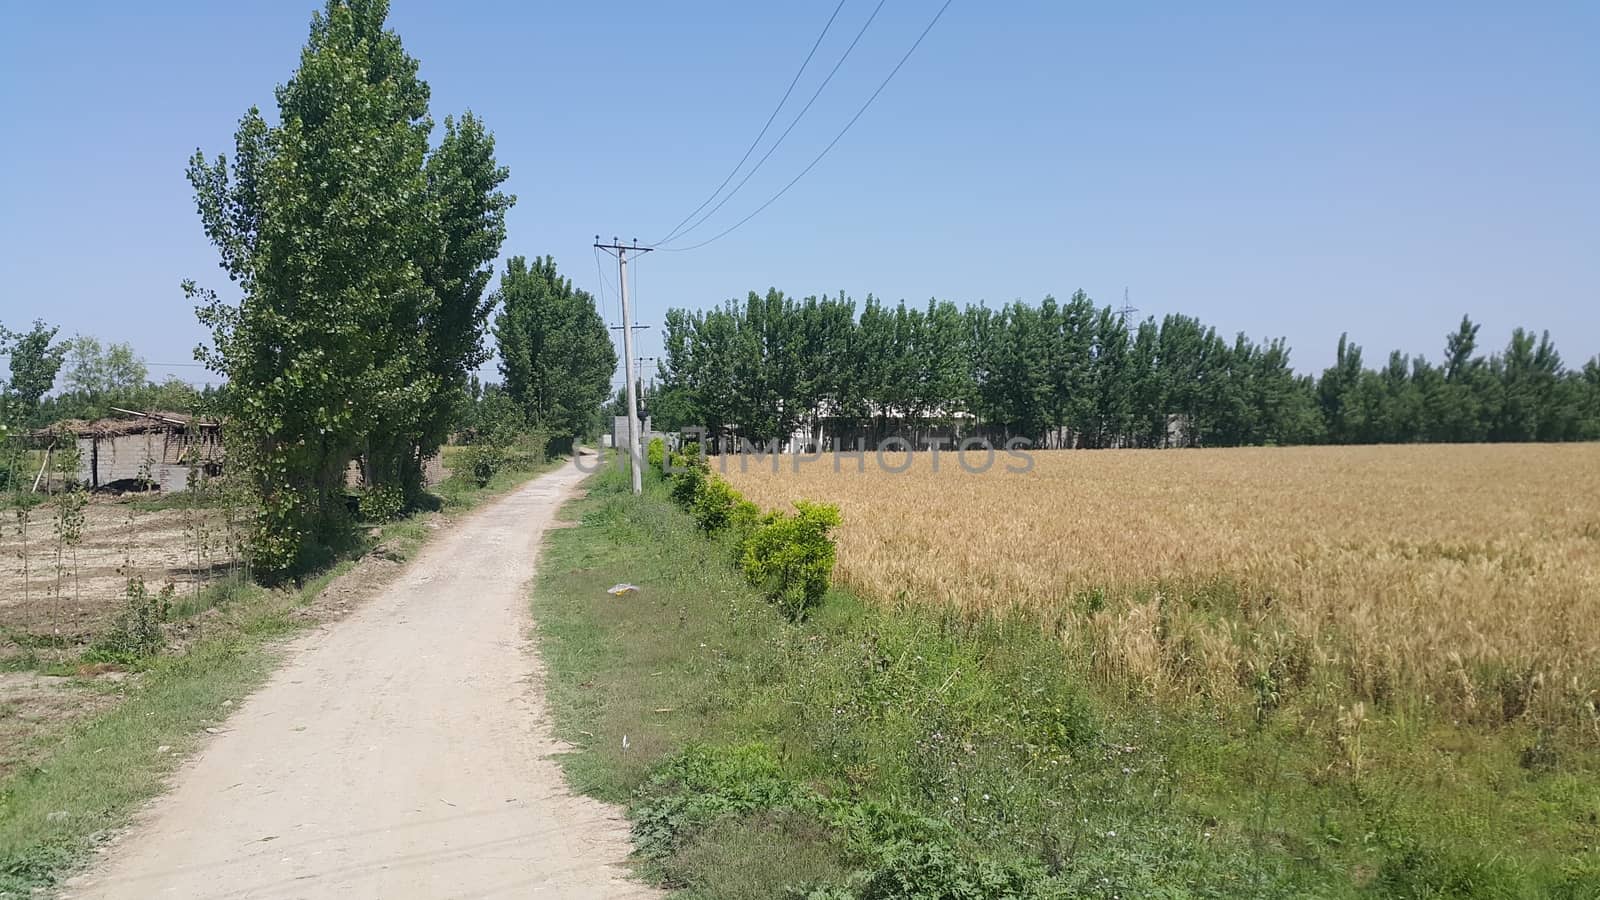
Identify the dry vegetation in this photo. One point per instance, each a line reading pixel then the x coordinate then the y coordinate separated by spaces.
pixel 1459 578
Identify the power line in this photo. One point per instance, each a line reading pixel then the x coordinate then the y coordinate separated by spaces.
pixel 730 229
pixel 604 282
pixel 770 150
pixel 770 119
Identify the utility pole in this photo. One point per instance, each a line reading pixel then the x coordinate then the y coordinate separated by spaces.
pixel 635 454
pixel 639 362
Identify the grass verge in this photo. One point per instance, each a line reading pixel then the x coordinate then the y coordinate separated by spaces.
pixel 872 753
pixel 90 776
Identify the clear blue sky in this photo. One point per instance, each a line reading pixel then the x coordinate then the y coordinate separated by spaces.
pixel 1273 170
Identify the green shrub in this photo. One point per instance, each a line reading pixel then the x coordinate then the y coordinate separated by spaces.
pixel 713 504
pixel 136 632
pixel 690 477
pixel 689 456
pixel 484 461
pixel 656 454
pixel 539 444
pixel 790 557
pixel 743 520
pixel 382 503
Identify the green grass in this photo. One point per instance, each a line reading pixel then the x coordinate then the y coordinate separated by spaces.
pixel 93 774
pixel 872 753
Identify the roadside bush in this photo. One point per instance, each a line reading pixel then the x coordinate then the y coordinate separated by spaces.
pixel 690 477
pixel 690 455
pixel 484 462
pixel 790 557
pixel 382 503
pixel 743 520
pixel 136 632
pixel 539 444
pixel 656 454
pixel 713 504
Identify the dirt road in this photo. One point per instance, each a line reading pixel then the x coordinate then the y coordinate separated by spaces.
pixel 399 753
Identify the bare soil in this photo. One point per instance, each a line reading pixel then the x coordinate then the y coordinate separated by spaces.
pixel 67 606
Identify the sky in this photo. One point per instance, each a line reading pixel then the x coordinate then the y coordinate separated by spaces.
pixel 1271 168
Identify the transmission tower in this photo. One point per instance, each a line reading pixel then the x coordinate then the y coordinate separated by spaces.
pixel 1127 310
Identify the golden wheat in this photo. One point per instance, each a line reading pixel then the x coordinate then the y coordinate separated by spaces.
pixel 1468 576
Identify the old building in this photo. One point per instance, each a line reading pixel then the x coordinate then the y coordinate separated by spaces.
pixel 147 451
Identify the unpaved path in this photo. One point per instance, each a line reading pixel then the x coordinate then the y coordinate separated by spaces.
pixel 399 753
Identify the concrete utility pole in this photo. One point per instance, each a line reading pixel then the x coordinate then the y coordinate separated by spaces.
pixel 635 452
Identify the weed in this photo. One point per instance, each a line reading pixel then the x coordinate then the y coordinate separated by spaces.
pixel 135 634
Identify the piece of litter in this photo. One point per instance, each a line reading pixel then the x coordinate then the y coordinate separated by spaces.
pixel 163 748
pixel 624 588
pixel 213 731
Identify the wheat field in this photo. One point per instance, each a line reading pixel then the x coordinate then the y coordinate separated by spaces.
pixel 1464 577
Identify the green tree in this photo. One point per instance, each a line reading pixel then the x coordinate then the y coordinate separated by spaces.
pixel 358 262
pixel 34 364
pixel 467 210
pixel 1460 408
pixel 94 371
pixel 1586 388
pixel 1340 395
pixel 555 350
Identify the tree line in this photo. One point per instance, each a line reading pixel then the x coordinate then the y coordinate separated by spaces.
pixel 1075 374
pixel 85 379
pixel 555 351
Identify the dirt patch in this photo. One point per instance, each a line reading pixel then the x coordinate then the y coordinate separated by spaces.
pixel 346 591
pixel 33 706
pixel 67 603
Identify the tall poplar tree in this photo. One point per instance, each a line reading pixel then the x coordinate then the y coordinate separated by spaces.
pixel 555 351
pixel 359 259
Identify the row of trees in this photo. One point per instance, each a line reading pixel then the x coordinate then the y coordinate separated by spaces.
pixel 363 256
pixel 81 378
pixel 1077 374
pixel 555 351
